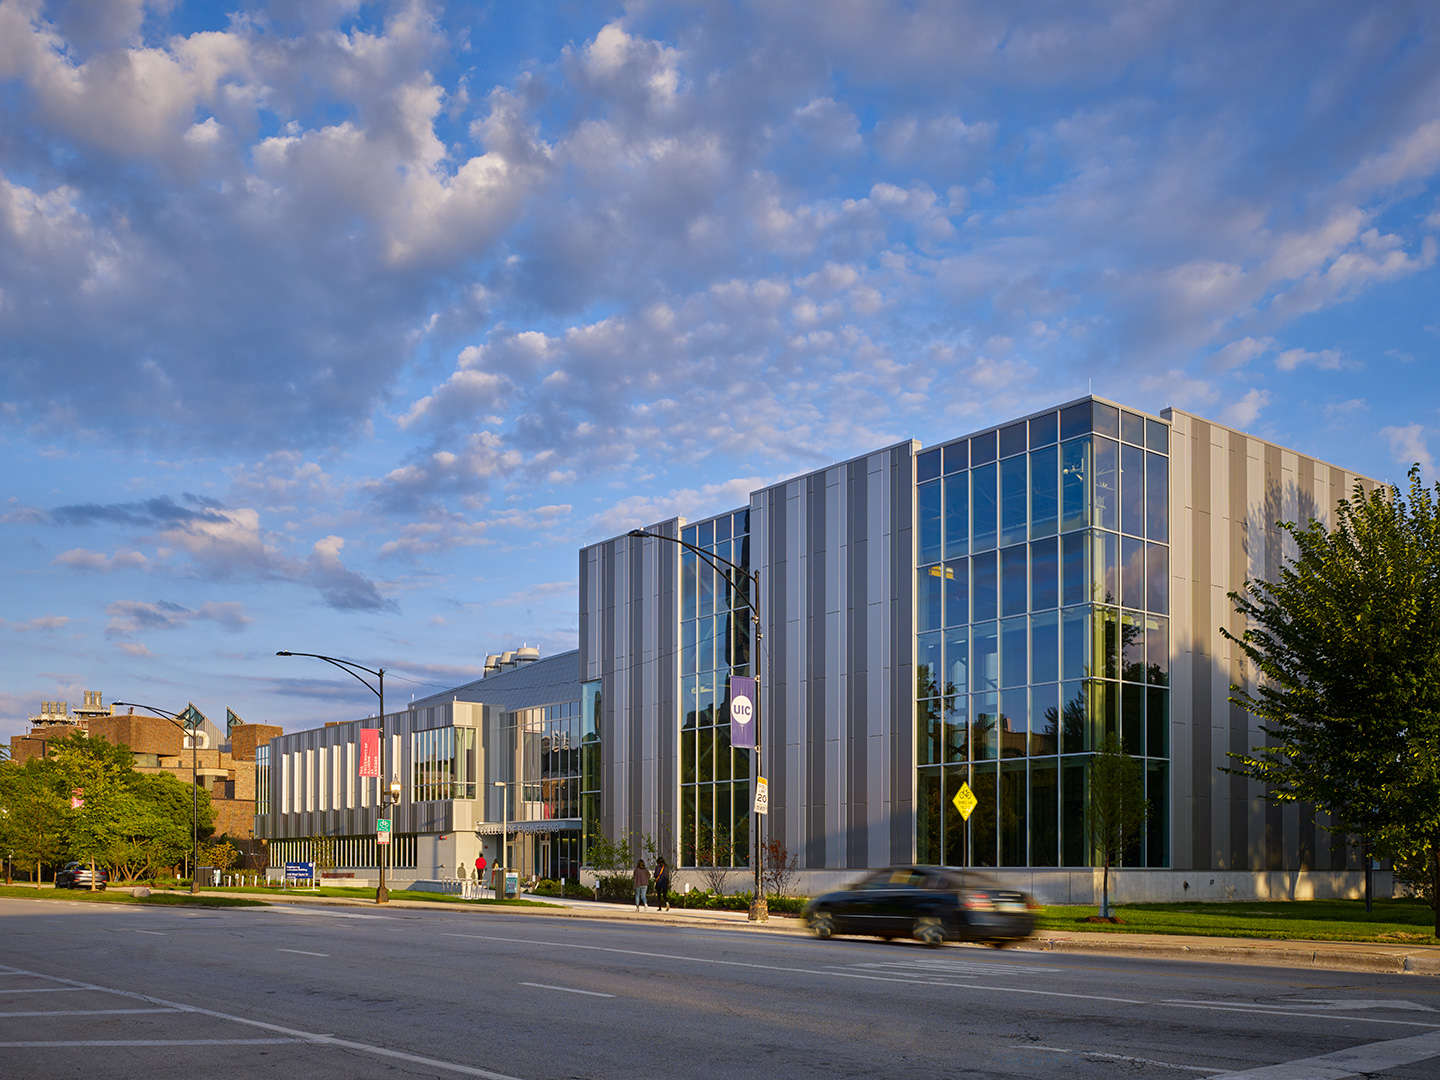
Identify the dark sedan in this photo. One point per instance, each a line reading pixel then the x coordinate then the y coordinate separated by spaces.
pixel 77 876
pixel 928 903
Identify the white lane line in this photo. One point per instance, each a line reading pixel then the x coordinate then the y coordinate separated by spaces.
pixel 1265 1010
pixel 1098 1054
pixel 294 1034
pixel 791 970
pixel 157 933
pixel 280 909
pixel 1356 1061
pixel 302 952
pixel 150 1042
pixel 45 989
pixel 567 989
pixel 88 1012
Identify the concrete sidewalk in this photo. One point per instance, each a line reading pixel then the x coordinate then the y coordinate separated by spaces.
pixel 1329 955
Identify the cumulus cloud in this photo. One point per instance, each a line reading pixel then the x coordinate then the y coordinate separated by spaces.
pixel 98 562
pixel 40 624
pixel 1246 411
pixel 1410 443
pixel 128 617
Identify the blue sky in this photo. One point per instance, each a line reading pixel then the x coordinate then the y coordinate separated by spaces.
pixel 340 328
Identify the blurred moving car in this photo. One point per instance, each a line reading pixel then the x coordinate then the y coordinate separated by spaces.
pixel 928 903
pixel 77 876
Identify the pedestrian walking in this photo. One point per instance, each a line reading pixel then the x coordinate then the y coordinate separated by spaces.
pixel 641 877
pixel 662 885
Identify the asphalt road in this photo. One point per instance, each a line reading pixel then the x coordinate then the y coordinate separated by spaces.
pixel 120 991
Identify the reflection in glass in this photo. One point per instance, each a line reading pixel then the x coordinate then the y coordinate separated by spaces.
pixel 957 731
pixel 984 507
pixel 1044 813
pixel 1014 723
pixel 706 739
pixel 1012 440
pixel 927 817
pixel 1075 643
pixel 1107 484
pixel 928 522
pixel 983 587
pixel 1157 831
pixel 1132 428
pixel 1014 497
pixel 1075 470
pixel 1074 721
pixel 1106 419
pixel 1042 430
pixel 1157 722
pixel 1075 420
pixel 1132 646
pixel 984 726
pixel 1045 719
pixel 929 590
pixel 1157 497
pixel 1044 492
pixel 1132 572
pixel 1075 568
pixel 1106 661
pixel 1132 720
pixel 1014 802
pixel 957 515
pixel 982 822
pixel 1013 573
pixel 1132 490
pixel 956 843
pixel 688 562
pixel 1106 564
pixel 957 658
pixel 927 465
pixel 1013 651
pixel 1157 648
pixel 929 736
pixel 1044 574
pixel 1157 577
pixel 957 592
pixel 957 456
pixel 985 673
pixel 1104 712
pixel 1045 646
pixel 1074 843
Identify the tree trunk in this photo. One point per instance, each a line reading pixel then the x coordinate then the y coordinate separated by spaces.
pixel 37 873
pixel 92 875
pixel 1435 883
pixel 1105 889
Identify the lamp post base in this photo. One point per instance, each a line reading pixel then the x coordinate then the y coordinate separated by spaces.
pixel 382 895
pixel 759 910
pixel 194 885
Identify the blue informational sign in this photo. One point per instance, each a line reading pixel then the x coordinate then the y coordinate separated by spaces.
pixel 299 871
pixel 742 712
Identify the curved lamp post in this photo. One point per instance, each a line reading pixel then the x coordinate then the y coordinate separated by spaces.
pixel 759 909
pixel 174 718
pixel 382 895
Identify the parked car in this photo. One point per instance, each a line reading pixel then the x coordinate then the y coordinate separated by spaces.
pixel 77 876
pixel 928 903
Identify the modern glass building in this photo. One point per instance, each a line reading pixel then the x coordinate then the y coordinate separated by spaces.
pixel 986 611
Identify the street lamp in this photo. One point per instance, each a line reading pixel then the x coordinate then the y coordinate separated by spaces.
pixel 759 909
pixel 174 718
pixel 504 831
pixel 382 896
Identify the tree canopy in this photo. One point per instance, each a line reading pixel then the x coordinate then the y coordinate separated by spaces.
pixel 1346 643
pixel 1117 808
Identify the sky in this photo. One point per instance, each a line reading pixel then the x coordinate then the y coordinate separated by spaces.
pixel 340 328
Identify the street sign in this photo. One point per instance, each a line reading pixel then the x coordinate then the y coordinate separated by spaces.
pixel 299 871
pixel 762 796
pixel 965 801
pixel 382 831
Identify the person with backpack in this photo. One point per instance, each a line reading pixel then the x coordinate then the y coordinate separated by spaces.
pixel 662 885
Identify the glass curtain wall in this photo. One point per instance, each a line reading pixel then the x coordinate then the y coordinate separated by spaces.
pixel 444 764
pixel 715 623
pixel 559 856
pixel 1042 621
pixel 590 737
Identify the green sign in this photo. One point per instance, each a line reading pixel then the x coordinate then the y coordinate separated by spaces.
pixel 382 831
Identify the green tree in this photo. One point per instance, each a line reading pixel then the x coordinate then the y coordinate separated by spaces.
pixel 1346 643
pixel 36 804
pixel 1117 808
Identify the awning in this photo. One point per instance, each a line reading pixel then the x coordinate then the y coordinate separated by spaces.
pixel 493 828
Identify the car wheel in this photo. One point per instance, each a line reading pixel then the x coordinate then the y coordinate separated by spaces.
pixel 822 924
pixel 928 931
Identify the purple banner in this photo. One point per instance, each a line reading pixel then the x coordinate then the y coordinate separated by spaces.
pixel 742 712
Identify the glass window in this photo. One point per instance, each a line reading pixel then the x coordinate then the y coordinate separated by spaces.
pixel 1157 721
pixel 1014 722
pixel 1132 646
pixel 1014 802
pixel 983 507
pixel 1105 585
pixel 706 739
pixel 928 660
pixel 1013 573
pixel 957 515
pixel 1075 420
pixel 1132 428
pixel 1044 492
pixel 1044 575
pixel 690 536
pixel 983 587
pixel 1076 570
pixel 928 515
pixel 688 588
pixel 957 592
pixel 1012 440
pixel 1106 419
pixel 1014 652
pixel 1107 484
pixel 957 730
pixel 1042 430
pixel 1073 718
pixel 705 599
pixel 688 704
pixel 705 533
pixel 1014 497
pixel 1045 719
pixel 1132 572
pixel 1074 799
pixel 705 645
pixel 1104 712
pixel 957 659
pixel 1106 661
pixel 1045 647
pixel 1132 490
pixel 1157 651
pixel 1075 472
pixel 1132 720
pixel 1044 813
pixel 927 465
pixel 928 593
pixel 1157 497
pixel 956 845
pixel 983 838
pixel 982 448
pixel 984 726
pixel 1157 577
pixel 1157 436
pixel 1157 825
pixel 927 817
pixel 957 456
pixel 1075 642
pixel 687 647
pixel 984 672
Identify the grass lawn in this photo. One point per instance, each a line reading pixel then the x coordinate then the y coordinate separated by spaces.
pixel 121 895
pixel 1394 922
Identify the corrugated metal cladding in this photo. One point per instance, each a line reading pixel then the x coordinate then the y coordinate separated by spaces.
pixel 1229 491
pixel 835 557
pixel 629 639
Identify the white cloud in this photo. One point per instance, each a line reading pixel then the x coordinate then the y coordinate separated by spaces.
pixel 1410 443
pixel 98 562
pixel 128 617
pixel 1244 413
pixel 1325 360
pixel 40 624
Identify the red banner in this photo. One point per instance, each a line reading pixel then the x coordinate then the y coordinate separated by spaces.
pixel 369 751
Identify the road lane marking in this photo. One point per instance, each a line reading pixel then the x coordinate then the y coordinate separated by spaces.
pixel 292 1034
pixel 567 989
pixel 832 972
pixel 1357 1003
pixel 45 989
pixel 88 1012
pixel 1359 1060
pixel 1121 1057
pixel 157 933
pixel 280 910
pixel 1267 1010
pixel 302 952
pixel 62 1044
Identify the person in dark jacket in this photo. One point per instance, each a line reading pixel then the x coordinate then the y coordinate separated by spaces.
pixel 662 885
pixel 641 877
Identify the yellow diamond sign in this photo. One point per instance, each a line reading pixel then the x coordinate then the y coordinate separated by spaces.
pixel 965 801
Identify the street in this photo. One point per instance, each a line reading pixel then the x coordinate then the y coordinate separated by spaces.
pixel 132 991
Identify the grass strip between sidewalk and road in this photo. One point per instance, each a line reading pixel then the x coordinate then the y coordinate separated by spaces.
pixel 351 892
pixel 1392 922
pixel 121 895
